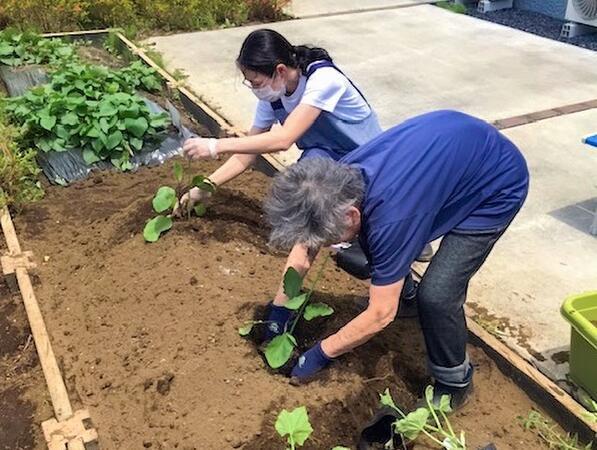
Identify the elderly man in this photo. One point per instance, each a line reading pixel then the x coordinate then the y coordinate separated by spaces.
pixel 439 174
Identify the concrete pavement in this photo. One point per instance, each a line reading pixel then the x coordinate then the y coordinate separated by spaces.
pixel 415 59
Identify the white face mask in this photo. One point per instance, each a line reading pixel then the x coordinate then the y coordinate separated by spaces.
pixel 268 93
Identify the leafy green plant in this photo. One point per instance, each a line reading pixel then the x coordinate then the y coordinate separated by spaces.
pixel 279 350
pixel 18 170
pixel 92 108
pixel 549 434
pixel 165 200
pixel 22 48
pixel 294 424
pixel 431 421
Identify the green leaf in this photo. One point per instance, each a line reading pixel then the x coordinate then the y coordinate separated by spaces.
pixel 155 227
pixel 245 330
pixel 412 424
pixel 107 109
pixel 137 127
pixel 295 424
pixel 90 157
pixel 159 121
pixel 137 144
pixel 199 182
pixel 279 350
pixel 296 302
pixel 387 400
pixel 317 310
pixel 200 210
pixel 444 404
pixel 292 283
pixel 114 140
pixel 94 132
pixel 164 199
pixel 47 122
pixel 70 119
pixel 178 172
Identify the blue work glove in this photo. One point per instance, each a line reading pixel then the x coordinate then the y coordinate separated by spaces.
pixel 278 317
pixel 310 362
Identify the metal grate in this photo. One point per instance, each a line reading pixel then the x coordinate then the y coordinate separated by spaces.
pixel 587 9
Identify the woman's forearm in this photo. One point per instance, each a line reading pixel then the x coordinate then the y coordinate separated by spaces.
pixel 232 168
pixel 272 141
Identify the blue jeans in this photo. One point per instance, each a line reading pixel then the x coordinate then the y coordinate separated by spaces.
pixel 440 299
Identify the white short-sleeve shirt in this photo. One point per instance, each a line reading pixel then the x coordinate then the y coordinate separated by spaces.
pixel 326 89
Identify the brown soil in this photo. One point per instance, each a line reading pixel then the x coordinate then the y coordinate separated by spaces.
pixel 147 333
pixel 24 402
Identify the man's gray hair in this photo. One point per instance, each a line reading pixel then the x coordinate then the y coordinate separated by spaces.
pixel 308 202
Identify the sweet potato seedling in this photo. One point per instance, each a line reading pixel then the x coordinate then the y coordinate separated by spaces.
pixel 165 200
pixel 431 421
pixel 279 350
pixel 295 424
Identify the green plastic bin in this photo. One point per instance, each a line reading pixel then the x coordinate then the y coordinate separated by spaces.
pixel 581 312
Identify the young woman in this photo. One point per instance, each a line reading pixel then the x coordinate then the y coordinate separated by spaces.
pixel 317 106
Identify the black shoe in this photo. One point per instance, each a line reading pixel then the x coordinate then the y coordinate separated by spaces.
pixel 380 430
pixel 426 254
pixel 459 396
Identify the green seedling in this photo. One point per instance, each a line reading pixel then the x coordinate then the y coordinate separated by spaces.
pixel 294 424
pixel 549 434
pixel 165 201
pixel 279 350
pixel 431 421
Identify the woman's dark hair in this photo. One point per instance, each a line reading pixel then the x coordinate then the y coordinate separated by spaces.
pixel 264 49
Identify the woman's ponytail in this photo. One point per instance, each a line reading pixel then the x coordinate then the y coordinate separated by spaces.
pixel 305 55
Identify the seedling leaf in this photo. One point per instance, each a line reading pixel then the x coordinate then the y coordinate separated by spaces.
pixel 155 227
pixel 387 400
pixel 295 424
pixel 200 210
pixel 164 199
pixel 314 310
pixel 178 171
pixel 90 157
pixel 292 283
pixel 199 182
pixel 279 350
pixel 340 448
pixel 48 122
pixel 444 404
pixel 137 127
pixel 412 424
pixel 246 329
pixel 296 302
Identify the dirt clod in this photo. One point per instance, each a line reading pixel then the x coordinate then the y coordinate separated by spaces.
pixel 164 383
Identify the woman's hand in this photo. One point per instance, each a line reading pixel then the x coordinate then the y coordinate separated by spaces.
pixel 200 148
pixel 188 201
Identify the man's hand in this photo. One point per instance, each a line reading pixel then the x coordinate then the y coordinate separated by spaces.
pixel 200 148
pixel 277 318
pixel 188 201
pixel 309 363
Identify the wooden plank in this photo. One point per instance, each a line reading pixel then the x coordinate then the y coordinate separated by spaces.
pixel 54 381
pixel 82 33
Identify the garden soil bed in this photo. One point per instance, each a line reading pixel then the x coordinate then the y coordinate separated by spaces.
pixel 147 333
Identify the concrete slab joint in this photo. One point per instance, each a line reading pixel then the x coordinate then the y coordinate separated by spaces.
pixel 71 434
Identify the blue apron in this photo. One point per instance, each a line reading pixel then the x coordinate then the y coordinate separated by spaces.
pixel 330 136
